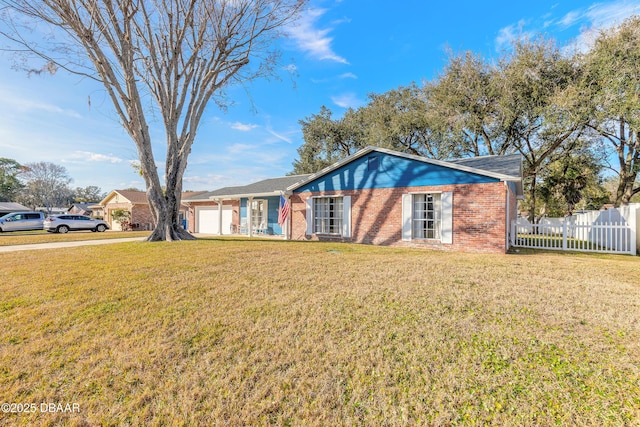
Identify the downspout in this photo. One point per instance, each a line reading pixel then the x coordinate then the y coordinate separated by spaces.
pixel 219 217
pixel 288 223
pixel 508 220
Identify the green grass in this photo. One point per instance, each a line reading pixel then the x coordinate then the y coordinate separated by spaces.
pixel 34 237
pixel 234 332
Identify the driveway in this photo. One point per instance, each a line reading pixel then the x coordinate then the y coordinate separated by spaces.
pixel 58 245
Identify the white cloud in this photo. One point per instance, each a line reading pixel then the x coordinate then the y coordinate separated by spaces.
pixel 312 40
pixel 587 20
pixel 88 156
pixel 570 18
pixel 347 100
pixel 601 16
pixel 348 76
pixel 243 127
pixel 509 34
pixel 240 148
pixel 279 135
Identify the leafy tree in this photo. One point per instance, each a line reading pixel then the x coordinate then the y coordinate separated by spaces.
pixel 88 194
pixel 536 110
pixel 45 185
pixel 610 84
pixel 570 183
pixel 175 54
pixel 10 185
pixel 326 142
pixel 397 119
pixel 463 104
pixel 121 216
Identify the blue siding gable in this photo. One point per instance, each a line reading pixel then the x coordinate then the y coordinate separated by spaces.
pixel 382 170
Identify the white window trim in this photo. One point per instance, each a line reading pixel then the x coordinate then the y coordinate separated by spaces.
pixel 446 216
pixel 346 216
pixel 437 211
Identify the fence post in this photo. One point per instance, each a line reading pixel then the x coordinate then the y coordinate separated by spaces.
pixel 564 234
pixel 633 228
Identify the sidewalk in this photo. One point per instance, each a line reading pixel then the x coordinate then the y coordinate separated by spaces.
pixel 57 245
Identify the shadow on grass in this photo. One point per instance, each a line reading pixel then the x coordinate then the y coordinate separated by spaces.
pixel 599 255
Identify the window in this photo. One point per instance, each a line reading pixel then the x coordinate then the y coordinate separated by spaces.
pixel 426 218
pixel 372 163
pixel 258 213
pixel 328 215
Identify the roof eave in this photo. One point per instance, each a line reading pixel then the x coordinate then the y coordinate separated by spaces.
pixel 246 195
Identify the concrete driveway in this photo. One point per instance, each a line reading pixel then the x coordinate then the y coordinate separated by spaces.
pixel 58 245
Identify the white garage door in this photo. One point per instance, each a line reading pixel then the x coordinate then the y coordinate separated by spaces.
pixel 207 219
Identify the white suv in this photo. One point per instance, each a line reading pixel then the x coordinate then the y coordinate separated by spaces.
pixel 69 222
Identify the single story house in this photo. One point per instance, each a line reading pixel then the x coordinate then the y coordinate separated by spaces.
pixel 136 203
pixel 11 207
pixel 81 208
pixel 378 196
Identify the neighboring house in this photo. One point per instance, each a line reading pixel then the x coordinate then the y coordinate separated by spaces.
pixel 383 197
pixel 82 209
pixel 97 210
pixel 10 207
pixel 53 210
pixel 136 203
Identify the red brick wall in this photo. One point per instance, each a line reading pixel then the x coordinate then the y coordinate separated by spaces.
pixel 479 217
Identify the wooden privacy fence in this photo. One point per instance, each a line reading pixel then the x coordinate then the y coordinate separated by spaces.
pixel 602 237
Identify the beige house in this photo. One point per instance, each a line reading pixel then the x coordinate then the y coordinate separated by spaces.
pixel 136 203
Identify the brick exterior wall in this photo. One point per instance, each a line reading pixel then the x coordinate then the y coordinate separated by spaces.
pixel 479 217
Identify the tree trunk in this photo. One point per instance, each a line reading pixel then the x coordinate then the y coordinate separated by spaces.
pixel 166 205
pixel 167 214
pixel 532 199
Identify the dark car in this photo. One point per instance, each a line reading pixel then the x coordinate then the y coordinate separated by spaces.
pixel 68 222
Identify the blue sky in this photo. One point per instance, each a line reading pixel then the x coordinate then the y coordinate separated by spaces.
pixel 340 51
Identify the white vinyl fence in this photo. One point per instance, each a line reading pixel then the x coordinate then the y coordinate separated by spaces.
pixel 610 231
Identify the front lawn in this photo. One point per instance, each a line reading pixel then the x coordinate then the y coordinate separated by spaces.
pixel 263 332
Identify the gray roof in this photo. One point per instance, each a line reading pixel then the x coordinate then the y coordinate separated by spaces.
pixel 506 165
pixel 12 207
pixel 271 186
pixel 85 206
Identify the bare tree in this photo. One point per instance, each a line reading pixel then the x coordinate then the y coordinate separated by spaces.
pixel 45 185
pixel 181 52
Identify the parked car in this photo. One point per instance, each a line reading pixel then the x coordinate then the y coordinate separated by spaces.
pixel 19 221
pixel 67 222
